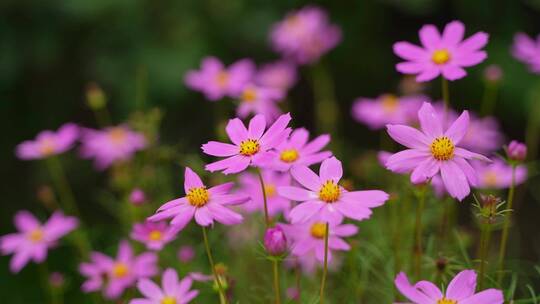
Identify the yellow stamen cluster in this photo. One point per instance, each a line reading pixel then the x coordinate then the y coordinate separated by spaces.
pixel 117 135
pixel 249 147
pixel 249 95
pixel 289 155
pixel 491 179
pixel 446 301
pixel 441 56
pixel 329 192
pixel 47 147
pixel 270 190
pixel 168 300
pixel 318 230
pixel 198 196
pixel 155 235
pixel 389 103
pixel 442 148
pixel 120 270
pixel 36 235
pixel 222 78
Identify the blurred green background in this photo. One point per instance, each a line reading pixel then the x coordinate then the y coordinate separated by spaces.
pixel 139 50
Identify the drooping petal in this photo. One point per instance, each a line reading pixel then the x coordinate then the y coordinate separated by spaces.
pixel 336 243
pixel 355 211
pixel 430 290
pixel 331 169
pixel 191 180
pixel 367 198
pixel 462 285
pixel 405 161
pixel 425 170
pixel 408 136
pixel 216 148
pixel 459 127
pixel 228 162
pixel 430 122
pixel 203 216
pixel 453 72
pixel 238 165
pixel 429 72
pixel 411 67
pixel 488 296
pixel 454 180
pixel 304 211
pixel 470 172
pixel 411 293
pixel 236 130
pixel 306 177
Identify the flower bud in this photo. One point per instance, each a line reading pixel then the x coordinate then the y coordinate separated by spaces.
pixel 137 197
pixel 186 254
pixel 516 151
pixel 493 73
pixel 275 241
pixel 95 97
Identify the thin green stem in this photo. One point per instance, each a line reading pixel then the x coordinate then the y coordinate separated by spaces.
pixel 325 265
pixel 222 298
pixel 445 95
pixel 506 227
pixel 489 98
pixel 484 249
pixel 298 276
pixel 417 248
pixel 263 189
pixel 275 268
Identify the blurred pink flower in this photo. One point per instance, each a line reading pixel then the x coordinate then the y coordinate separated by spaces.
pixel 137 196
pixel 113 276
pixel 205 205
pixel 432 151
pixel 153 235
pixel 493 73
pixel 110 145
pixel 516 151
pixel 215 81
pixel 385 109
pixel 48 143
pixel 322 197
pixel 186 254
pixel 250 146
pixel 275 241
pixel 305 35
pixel 249 184
pixel 173 291
pixel 461 290
pixel 498 174
pixel 527 50
pixel 293 294
pixel 445 54
pixel 383 156
pixel 34 239
pixel 57 279
pixel 279 75
pixel 255 99
pixel 483 136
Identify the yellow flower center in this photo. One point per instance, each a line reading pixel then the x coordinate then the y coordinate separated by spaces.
pixel 155 235
pixel 329 192
pixel 389 103
pixel 249 95
pixel 120 270
pixel 491 179
pixel 441 56
pixel 442 148
pixel 270 190
pixel 318 230
pixel 168 300
pixel 446 301
pixel 249 147
pixel 35 235
pixel 289 155
pixel 222 78
pixel 198 197
pixel 117 135
pixel 47 147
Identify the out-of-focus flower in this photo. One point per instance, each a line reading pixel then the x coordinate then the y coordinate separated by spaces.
pixel 153 235
pixel 250 146
pixel 256 99
pixel 305 35
pixel 527 50
pixel 279 75
pixel 445 54
pixel 516 151
pixel 48 143
pixel 296 150
pixel 34 239
pixel 409 86
pixel 461 290
pixel 110 145
pixel 322 197
pixel 383 156
pixel 56 279
pixel 95 97
pixel 250 185
pixel 483 135
pixel 498 174
pixel 275 241
pixel 137 196
pixel 293 294
pixel 186 254
pixel 493 73
pixel 172 291
pixel 385 109
pixel 433 150
pixel 205 205
pixel 215 81
pixel 113 276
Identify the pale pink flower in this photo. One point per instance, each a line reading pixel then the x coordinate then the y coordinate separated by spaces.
pixel 527 50
pixel 250 185
pixel 48 143
pixel 498 174
pixel 153 235
pixel 172 290
pixel 377 113
pixel 279 75
pixel 255 99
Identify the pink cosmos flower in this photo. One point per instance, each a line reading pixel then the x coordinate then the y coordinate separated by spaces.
pixel 173 291
pixel 483 135
pixel 432 151
pixel 527 50
pixel 153 235
pixel 298 151
pixel 215 81
pixel 137 197
pixel 115 275
pixel 305 35
pixel 385 109
pixel 461 290
pixel 250 146
pixel 206 205
pixel 498 174
pixel 49 143
pixel 279 75
pixel 249 184
pixel 110 145
pixel 322 196
pixel 445 54
pixel 34 239
pixel 256 99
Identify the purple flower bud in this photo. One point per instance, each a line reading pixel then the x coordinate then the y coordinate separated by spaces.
pixel 516 150
pixel 137 197
pixel 275 241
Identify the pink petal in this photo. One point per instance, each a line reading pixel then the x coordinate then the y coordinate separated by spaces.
pixel 470 172
pixel 470 155
pixel 19 260
pixel 25 221
pixel 453 72
pixel 125 252
pixel 186 283
pixel 228 162
pixel 356 211
pixel 344 230
pixel 411 293
pixel 489 296
pixel 338 244
pixel 470 59
pixel 329 213
pixel 238 165
pixel 409 51
pixel 331 169
pixel 429 36
pixel 189 296
pixel 458 129
pixel 411 67
pixel 430 290
pixel 425 170
pixel 149 289
pixel 256 126
pixel 236 130
pixel 430 122
pixel 306 177
pixel 454 180
pixel 304 211
pixel 299 137
pixel 170 281
pixel 182 219
pixel 474 43
pixel 408 136
pixel 141 301
pixel 453 33
pixel 275 130
pixel 296 194
pixel 367 198
pixel 406 160
pixel 319 253
pixel 429 72
pixel 302 247
pixel 203 216
pixel 462 285
pixel 221 189
pixel 317 144
pixel 224 215
pixel 315 158
pixel 215 148
pixel 191 180
pixel 230 199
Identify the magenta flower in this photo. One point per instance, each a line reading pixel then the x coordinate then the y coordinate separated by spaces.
pixel 206 205
pixel 527 50
pixel 137 197
pixel 461 290
pixel 215 81
pixel 493 73
pixel 249 184
pixel 498 174
pixel 377 113
pixel 250 146
pixel 48 143
pixel 432 151
pixel 516 151
pixel 111 145
pixel 115 275
pixel 445 54
pixel 153 235
pixel 256 99
pixel 173 291
pixel 34 239
pixel 322 197
pixel 483 135
pixel 305 35
pixel 275 241
pixel 279 75
pixel 185 254
pixel 298 151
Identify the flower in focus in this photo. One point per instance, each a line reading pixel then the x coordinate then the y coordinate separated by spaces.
pixel 461 290
pixel 115 275
pixel 498 174
pixel 431 151
pixel 445 54
pixel 296 150
pixel 48 143
pixel 205 205
pixel 110 145
pixel 173 291
pixel 256 99
pixel 34 239
pixel 377 113
pixel 527 50
pixel 305 35
pixel 324 198
pixel 137 197
pixel 516 151
pixel 275 241
pixel 215 81
pixel 153 235
pixel 250 146
pixel 249 184
pixel 279 75
pixel 186 254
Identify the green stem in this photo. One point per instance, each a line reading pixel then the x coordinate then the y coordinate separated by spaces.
pixel 266 215
pixel 489 98
pixel 298 276
pixel 417 248
pixel 44 274
pixel 445 95
pixel 275 268
pixel 325 265
pixel 484 248
pixel 222 298
pixel 506 227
